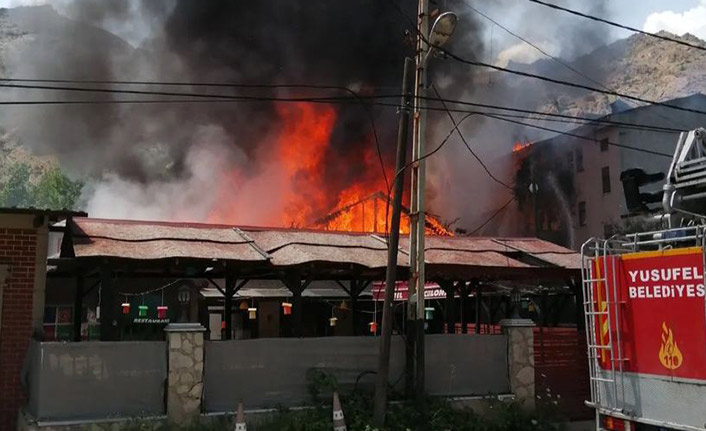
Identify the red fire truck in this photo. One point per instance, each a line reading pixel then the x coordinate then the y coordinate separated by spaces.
pixel 645 309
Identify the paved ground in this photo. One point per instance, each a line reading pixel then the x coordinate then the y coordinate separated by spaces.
pixel 581 426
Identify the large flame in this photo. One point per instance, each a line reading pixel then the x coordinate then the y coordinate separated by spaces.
pixel 521 145
pixel 669 354
pixel 310 184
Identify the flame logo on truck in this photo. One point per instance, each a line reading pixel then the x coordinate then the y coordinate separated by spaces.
pixel 669 354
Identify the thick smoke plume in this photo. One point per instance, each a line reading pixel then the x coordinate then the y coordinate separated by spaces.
pixel 227 161
pixel 459 183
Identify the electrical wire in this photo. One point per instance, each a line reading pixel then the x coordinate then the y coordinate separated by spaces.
pixel 495 214
pixel 616 24
pixel 463 139
pixel 536 47
pixel 549 114
pixel 546 54
pixel 358 98
pixel 613 144
pixel 569 84
pixel 501 117
pixel 203 98
pixel 147 292
pixel 437 148
pixel 542 77
pixel 353 93
pixel 554 117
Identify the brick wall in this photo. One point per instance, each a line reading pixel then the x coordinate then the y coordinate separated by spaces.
pixel 18 250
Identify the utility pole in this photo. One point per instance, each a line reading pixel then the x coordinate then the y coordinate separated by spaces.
pixel 380 402
pixel 415 307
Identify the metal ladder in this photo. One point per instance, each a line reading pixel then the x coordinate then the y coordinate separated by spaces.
pixel 600 307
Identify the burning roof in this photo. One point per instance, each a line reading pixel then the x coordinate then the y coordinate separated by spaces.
pixel 373 214
pixel 325 254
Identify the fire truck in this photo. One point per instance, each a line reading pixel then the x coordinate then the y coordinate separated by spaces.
pixel 645 307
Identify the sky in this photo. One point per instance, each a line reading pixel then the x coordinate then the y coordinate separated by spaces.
pixel 675 16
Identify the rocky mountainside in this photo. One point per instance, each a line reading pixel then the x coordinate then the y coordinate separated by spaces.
pixel 640 66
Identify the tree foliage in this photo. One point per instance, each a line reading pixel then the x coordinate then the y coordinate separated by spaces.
pixel 16 190
pixel 50 188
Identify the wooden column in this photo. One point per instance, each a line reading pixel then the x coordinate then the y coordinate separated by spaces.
pixel 450 308
pixel 297 314
pixel 294 284
pixel 78 306
pixel 228 306
pixel 479 306
pixel 545 309
pixel 108 306
pixel 353 293
pixel 463 293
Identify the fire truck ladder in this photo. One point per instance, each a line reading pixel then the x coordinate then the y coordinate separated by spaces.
pixel 600 307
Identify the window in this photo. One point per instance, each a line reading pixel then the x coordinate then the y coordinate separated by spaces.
pixel 605 179
pixel 58 323
pixel 582 213
pixel 604 144
pixel 579 159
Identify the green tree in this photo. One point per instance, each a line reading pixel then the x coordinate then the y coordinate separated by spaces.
pixel 56 191
pixel 16 190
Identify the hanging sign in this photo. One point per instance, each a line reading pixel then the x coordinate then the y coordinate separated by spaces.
pixel 431 291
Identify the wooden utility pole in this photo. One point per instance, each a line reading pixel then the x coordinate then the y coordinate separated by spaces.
pixel 380 401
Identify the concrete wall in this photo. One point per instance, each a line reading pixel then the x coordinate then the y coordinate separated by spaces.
pixel 270 372
pixel 95 380
pixel 23 251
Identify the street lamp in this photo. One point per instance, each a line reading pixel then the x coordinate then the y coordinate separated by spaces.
pixel 428 40
pixel 516 299
pixel 442 29
pixel 184 297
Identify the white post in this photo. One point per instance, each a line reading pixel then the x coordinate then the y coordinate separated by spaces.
pixel 418 174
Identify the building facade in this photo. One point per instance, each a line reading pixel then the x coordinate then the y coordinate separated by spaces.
pixel 576 190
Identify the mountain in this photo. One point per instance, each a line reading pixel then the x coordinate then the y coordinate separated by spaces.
pixel 37 42
pixel 641 66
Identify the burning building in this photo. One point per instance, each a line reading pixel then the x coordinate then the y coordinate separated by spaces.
pixel 372 214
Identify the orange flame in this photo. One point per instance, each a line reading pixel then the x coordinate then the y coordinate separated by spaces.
pixel 669 354
pixel 311 178
pixel 520 145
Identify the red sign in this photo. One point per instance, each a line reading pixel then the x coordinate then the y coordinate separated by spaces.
pixel 431 291
pixel 661 308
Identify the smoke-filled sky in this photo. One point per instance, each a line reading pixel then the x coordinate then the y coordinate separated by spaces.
pixel 233 163
pixel 676 16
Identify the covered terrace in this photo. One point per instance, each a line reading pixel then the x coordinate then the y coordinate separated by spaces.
pixel 97 252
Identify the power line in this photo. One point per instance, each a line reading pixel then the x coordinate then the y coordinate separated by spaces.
pixel 463 138
pixel 240 98
pixel 354 94
pixel 629 147
pixel 546 54
pixel 528 111
pixel 540 77
pixel 536 47
pixel 495 214
pixel 616 24
pixel 567 83
pixel 501 117
pixel 555 117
